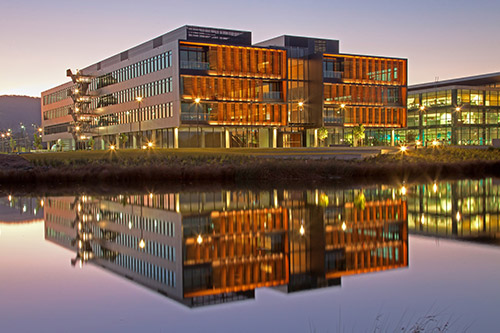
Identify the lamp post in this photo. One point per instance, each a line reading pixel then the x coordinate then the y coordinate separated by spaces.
pixel 139 114
pixel 342 117
pixel 421 124
pixel 454 124
pixel 197 101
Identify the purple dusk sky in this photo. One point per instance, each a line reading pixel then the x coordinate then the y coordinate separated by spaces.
pixel 440 38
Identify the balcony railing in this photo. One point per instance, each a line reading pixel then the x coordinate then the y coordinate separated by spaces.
pixel 332 120
pixel 197 65
pixel 272 95
pixel 332 74
pixel 196 117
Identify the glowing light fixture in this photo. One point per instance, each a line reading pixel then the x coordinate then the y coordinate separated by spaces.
pixel 435 187
pixel 458 216
pixel 112 147
pixel 301 104
pixel 197 100
pixel 344 226
pixel 403 149
pixel 422 108
pixel 403 190
pixel 138 99
pixel 342 105
pixel 142 243
pixel 302 230
pixel 150 144
pixel 199 239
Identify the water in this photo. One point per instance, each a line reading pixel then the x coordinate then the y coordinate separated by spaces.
pixel 296 260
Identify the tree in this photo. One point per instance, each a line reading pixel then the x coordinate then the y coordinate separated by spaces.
pixel 358 133
pixel 123 139
pixel 60 144
pixel 12 144
pixel 410 137
pixel 91 143
pixel 322 134
pixel 37 141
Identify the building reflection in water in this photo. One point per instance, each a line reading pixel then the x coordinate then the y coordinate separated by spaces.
pixel 202 248
pixel 463 210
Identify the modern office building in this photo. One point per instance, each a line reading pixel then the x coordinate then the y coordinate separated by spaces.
pixel 464 111
pixel 202 248
pixel 206 87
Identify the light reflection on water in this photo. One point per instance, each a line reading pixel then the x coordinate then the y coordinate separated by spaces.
pixel 223 246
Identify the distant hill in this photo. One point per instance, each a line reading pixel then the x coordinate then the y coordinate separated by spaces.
pixel 19 109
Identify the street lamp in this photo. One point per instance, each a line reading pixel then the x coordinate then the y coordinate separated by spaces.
pixel 421 123
pixel 197 101
pixel 139 114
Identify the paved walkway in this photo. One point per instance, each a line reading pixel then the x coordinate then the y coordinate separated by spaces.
pixel 341 153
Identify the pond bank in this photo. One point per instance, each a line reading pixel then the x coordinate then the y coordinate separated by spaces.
pixel 106 169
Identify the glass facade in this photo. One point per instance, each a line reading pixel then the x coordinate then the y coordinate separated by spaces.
pixel 455 115
pixel 132 71
pixel 368 91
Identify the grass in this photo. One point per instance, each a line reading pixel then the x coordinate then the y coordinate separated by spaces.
pixel 244 166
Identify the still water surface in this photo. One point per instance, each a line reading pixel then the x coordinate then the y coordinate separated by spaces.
pixel 295 260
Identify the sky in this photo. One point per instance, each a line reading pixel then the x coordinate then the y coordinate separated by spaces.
pixel 442 39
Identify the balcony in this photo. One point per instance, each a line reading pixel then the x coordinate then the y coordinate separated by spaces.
pixel 271 95
pixel 332 75
pixel 195 117
pixel 333 120
pixel 196 65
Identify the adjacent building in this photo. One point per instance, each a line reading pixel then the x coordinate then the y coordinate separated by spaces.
pixel 464 111
pixel 207 87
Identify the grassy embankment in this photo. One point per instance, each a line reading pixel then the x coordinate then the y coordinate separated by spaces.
pixel 242 167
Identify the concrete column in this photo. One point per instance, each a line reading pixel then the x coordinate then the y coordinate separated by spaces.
pixel 202 138
pixel 176 137
pixel 134 141
pixel 102 144
pixel 153 138
pixel 392 138
pixel 315 137
pixel 228 141
pixel 117 141
pixel 263 138
pixel 275 137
